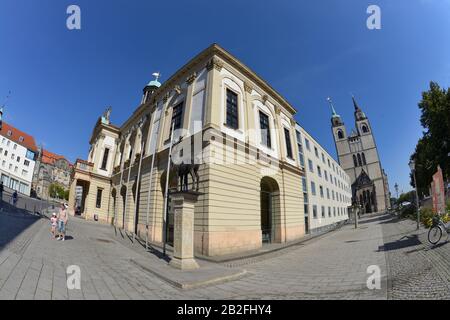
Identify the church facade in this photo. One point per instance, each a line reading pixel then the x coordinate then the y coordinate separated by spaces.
pixel 358 156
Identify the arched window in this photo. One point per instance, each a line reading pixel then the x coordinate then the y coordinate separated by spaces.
pixel 364 159
pixel 340 134
pixel 364 128
pixel 359 160
pixel 354 161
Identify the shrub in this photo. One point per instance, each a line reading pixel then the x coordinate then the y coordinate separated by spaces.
pixel 426 217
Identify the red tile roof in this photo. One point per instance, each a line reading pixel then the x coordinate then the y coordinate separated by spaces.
pixel 16 135
pixel 50 157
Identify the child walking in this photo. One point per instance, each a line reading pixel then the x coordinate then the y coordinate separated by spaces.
pixel 54 223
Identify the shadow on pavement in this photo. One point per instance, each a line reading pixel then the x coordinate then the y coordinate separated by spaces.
pixel 404 242
pixel 13 221
pixel 380 218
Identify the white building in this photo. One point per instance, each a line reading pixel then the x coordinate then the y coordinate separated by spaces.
pixel 326 187
pixel 18 152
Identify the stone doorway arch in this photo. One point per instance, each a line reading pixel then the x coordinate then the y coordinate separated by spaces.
pixel 270 210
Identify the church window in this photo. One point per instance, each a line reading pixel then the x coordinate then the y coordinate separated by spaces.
pixel 340 134
pixel 359 160
pixel 364 128
pixel 364 158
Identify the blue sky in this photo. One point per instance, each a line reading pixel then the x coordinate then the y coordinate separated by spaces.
pixel 62 80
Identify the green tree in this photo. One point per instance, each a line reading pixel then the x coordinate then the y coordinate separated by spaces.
pixel 434 147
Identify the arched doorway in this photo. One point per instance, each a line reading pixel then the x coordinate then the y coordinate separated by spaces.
pixel 114 198
pixel 270 209
pixel 123 193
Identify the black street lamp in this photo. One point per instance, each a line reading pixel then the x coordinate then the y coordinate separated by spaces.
pixel 412 166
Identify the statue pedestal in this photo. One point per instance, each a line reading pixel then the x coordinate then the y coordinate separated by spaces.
pixel 183 246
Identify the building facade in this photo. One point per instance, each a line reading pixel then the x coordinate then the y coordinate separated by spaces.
pixel 18 153
pixel 358 155
pixel 50 169
pixel 326 186
pixel 230 122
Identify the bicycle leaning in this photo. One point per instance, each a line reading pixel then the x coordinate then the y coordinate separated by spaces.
pixel 437 229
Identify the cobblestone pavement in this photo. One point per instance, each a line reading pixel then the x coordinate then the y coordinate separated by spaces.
pixel 417 269
pixel 334 266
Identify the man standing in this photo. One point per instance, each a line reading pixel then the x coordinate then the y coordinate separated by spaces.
pixel 62 221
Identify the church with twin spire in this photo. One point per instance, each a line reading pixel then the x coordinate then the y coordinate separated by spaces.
pixel 358 155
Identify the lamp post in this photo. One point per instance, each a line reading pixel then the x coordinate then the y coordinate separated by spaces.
pixel 412 166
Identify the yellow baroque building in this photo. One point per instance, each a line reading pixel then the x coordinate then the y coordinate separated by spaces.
pixel 231 122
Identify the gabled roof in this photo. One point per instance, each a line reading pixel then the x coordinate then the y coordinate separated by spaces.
pixel 18 136
pixel 363 179
pixel 50 158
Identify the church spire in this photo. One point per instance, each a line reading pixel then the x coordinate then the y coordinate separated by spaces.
pixel 355 104
pixel 359 114
pixel 333 111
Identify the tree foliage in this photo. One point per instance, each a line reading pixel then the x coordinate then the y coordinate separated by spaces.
pixel 56 191
pixel 434 147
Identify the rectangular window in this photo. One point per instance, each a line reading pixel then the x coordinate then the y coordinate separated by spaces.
pixel 105 159
pixel 300 149
pixel 310 165
pixel 18 159
pixel 26 163
pixel 319 171
pixel 15 146
pixel 323 211
pixel 308 147
pixel 287 136
pixel 24 172
pixel 304 184
pixel 314 211
pixel 328 193
pixel 321 191
pixel 326 175
pixel 306 210
pixel 329 212
pixel 265 129
pixel 323 158
pixel 316 151
pixel 98 202
pixel 232 110
pixel 177 116
pixel 313 188
pixel 30 155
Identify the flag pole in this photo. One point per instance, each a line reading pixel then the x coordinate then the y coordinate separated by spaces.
pixel 166 193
